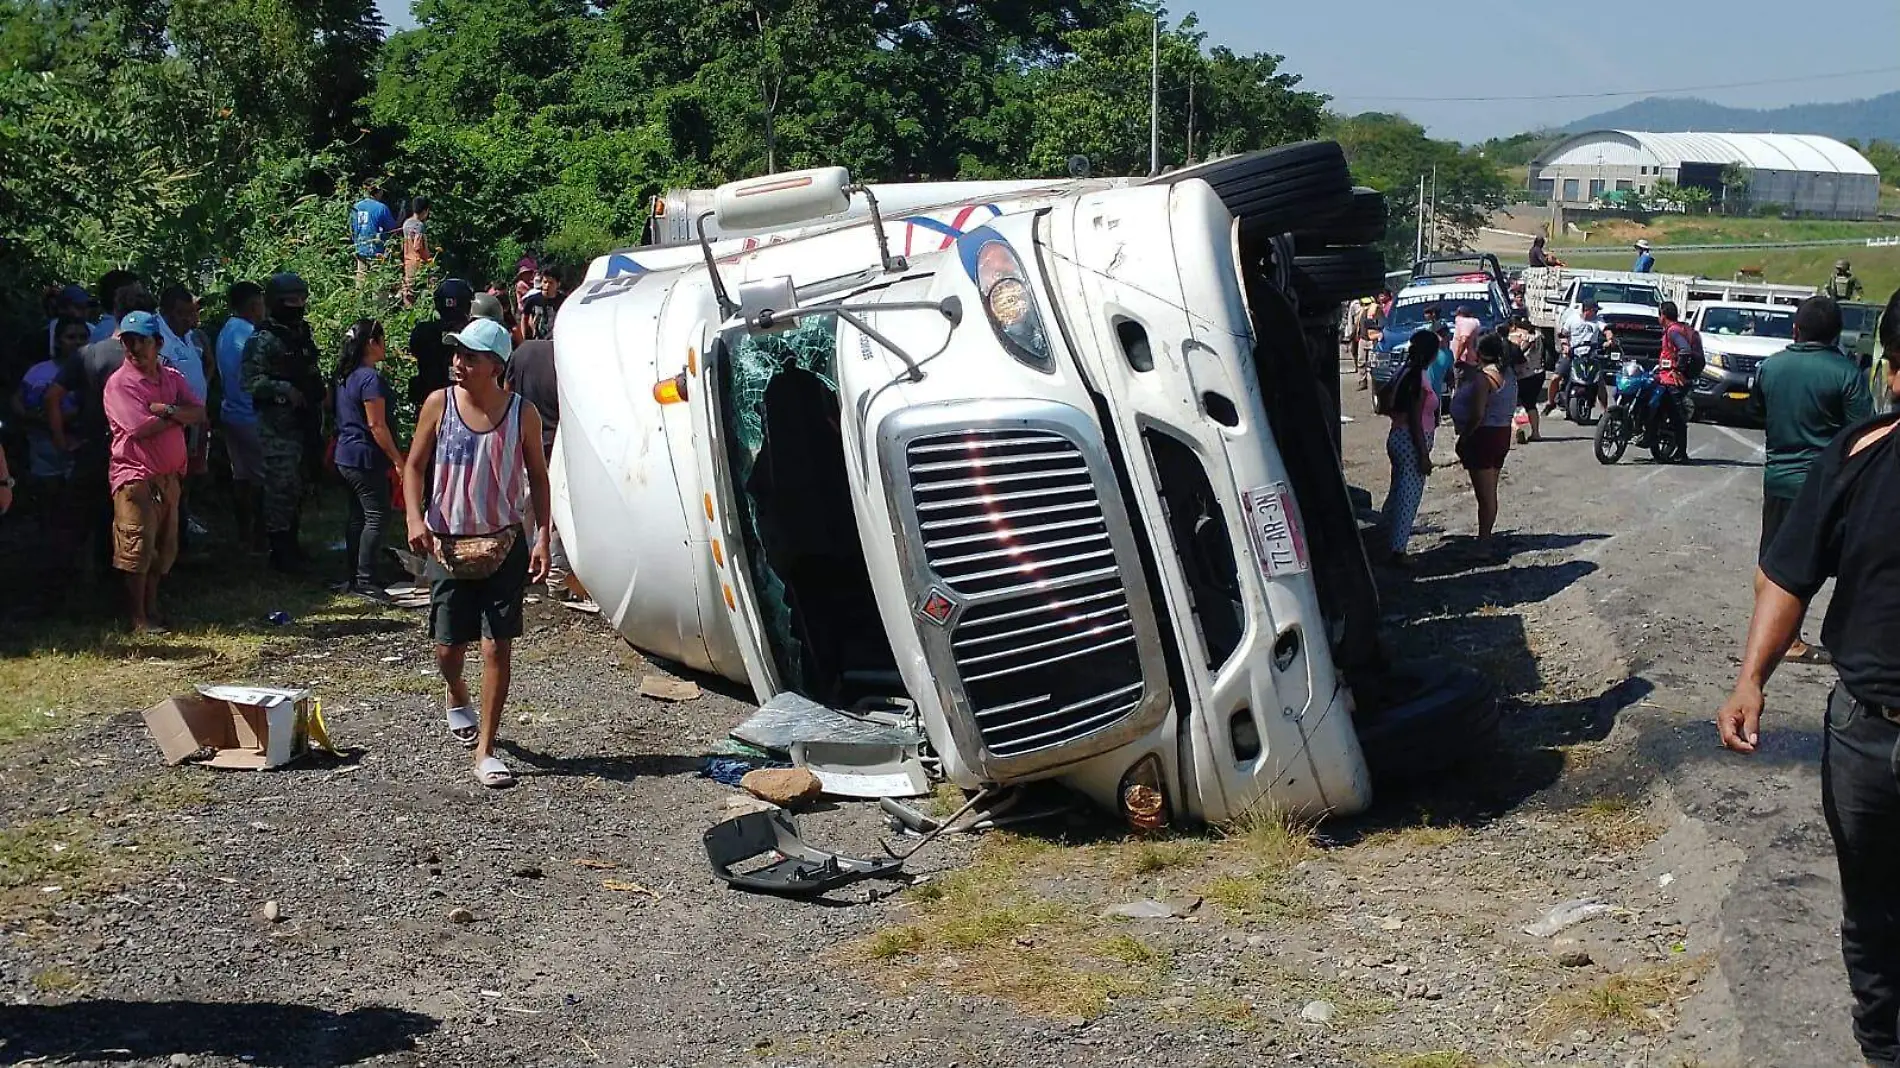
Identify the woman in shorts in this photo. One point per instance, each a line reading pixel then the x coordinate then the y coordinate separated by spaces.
pixel 1481 411
pixel 478 450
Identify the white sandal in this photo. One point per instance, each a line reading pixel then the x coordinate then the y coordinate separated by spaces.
pixel 463 726
pixel 492 773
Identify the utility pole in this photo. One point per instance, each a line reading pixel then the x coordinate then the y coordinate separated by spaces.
pixel 1190 144
pixel 1154 102
pixel 1435 247
pixel 1418 242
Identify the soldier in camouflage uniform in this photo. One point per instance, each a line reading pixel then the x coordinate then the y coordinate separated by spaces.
pixel 281 373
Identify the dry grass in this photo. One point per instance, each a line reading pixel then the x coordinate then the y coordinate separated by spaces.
pixel 59 672
pixel 59 980
pixel 1250 897
pixel 1224 1009
pixel 983 931
pixel 1439 1058
pixel 1151 857
pixel 1616 824
pixel 1641 999
pixel 44 862
pixel 1408 840
pixel 1269 842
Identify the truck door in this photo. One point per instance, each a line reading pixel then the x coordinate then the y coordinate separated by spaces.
pixel 724 509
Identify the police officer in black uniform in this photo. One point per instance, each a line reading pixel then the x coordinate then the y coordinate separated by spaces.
pixel 1841 527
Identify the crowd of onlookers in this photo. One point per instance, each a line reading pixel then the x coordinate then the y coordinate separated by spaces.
pixel 135 432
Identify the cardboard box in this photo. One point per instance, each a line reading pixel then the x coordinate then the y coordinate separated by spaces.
pixel 245 727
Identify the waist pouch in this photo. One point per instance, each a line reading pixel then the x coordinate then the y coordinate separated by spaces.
pixel 474 556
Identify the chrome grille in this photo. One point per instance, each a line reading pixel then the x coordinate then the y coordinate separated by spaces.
pixel 1747 365
pixel 1010 521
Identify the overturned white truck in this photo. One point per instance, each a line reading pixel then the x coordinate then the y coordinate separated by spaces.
pixel 1050 467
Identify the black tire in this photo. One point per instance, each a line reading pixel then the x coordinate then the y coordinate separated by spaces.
pixel 1337 276
pixel 1361 223
pixel 1610 439
pixel 1574 409
pixel 1277 190
pixel 1423 721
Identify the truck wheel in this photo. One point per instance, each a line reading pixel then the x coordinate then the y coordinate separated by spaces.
pixel 1336 276
pixel 1424 720
pixel 1275 190
pixel 1361 223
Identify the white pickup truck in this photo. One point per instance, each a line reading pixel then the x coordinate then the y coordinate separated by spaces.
pixel 1045 465
pixel 1626 304
pixel 1736 337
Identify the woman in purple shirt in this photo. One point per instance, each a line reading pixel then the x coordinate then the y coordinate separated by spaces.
pixel 365 449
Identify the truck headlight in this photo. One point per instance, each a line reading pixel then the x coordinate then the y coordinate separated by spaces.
pixel 1010 305
pixel 1144 795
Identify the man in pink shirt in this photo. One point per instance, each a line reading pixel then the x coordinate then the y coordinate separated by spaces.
pixel 147 405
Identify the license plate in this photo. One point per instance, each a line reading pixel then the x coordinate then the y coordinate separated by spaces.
pixel 1737 396
pixel 1273 519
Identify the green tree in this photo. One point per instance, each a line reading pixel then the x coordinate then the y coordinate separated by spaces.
pixel 1734 188
pixel 1097 103
pixel 1391 153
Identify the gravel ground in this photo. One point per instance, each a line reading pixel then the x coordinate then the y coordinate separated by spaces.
pixel 595 933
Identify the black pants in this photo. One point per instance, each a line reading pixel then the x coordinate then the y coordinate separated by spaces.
pixel 1860 794
pixel 369 513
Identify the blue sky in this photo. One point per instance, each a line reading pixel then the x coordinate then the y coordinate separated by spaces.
pixel 1365 53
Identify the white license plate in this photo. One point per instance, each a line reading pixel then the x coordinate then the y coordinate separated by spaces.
pixel 1273 519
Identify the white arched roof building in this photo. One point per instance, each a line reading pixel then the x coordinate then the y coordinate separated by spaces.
pixel 1804 174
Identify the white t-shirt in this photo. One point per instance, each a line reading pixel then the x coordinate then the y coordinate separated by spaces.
pixel 1584 335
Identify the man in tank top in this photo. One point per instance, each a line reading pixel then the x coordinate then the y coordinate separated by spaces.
pixel 478 448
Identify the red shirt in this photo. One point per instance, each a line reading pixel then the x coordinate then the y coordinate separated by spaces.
pixel 1678 338
pixel 128 401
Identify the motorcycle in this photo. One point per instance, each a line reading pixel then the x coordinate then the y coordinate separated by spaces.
pixel 1635 395
pixel 1587 374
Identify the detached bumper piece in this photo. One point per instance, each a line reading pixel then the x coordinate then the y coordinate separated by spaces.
pixel 761 852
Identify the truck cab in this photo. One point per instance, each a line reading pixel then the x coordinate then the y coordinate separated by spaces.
pixel 1007 465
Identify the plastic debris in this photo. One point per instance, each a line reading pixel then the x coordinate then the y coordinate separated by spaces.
pixel 735 847
pixel 860 769
pixel 278 618
pixel 728 771
pixel 1569 914
pixel 788 718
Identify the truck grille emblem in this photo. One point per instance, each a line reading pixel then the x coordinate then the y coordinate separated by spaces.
pixel 937 607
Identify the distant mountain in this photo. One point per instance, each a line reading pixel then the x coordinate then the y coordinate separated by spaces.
pixel 1858 119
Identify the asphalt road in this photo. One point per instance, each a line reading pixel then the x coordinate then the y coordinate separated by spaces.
pixel 1652 564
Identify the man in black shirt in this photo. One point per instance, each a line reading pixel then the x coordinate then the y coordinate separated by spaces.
pixel 426 347
pixel 1840 526
pixel 531 374
pixel 539 308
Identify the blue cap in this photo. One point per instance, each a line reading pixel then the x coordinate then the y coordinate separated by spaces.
pixel 142 323
pixel 75 294
pixel 484 335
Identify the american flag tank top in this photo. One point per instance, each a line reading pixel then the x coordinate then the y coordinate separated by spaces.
pixel 480 479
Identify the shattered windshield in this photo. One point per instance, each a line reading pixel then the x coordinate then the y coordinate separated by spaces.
pixel 747 372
